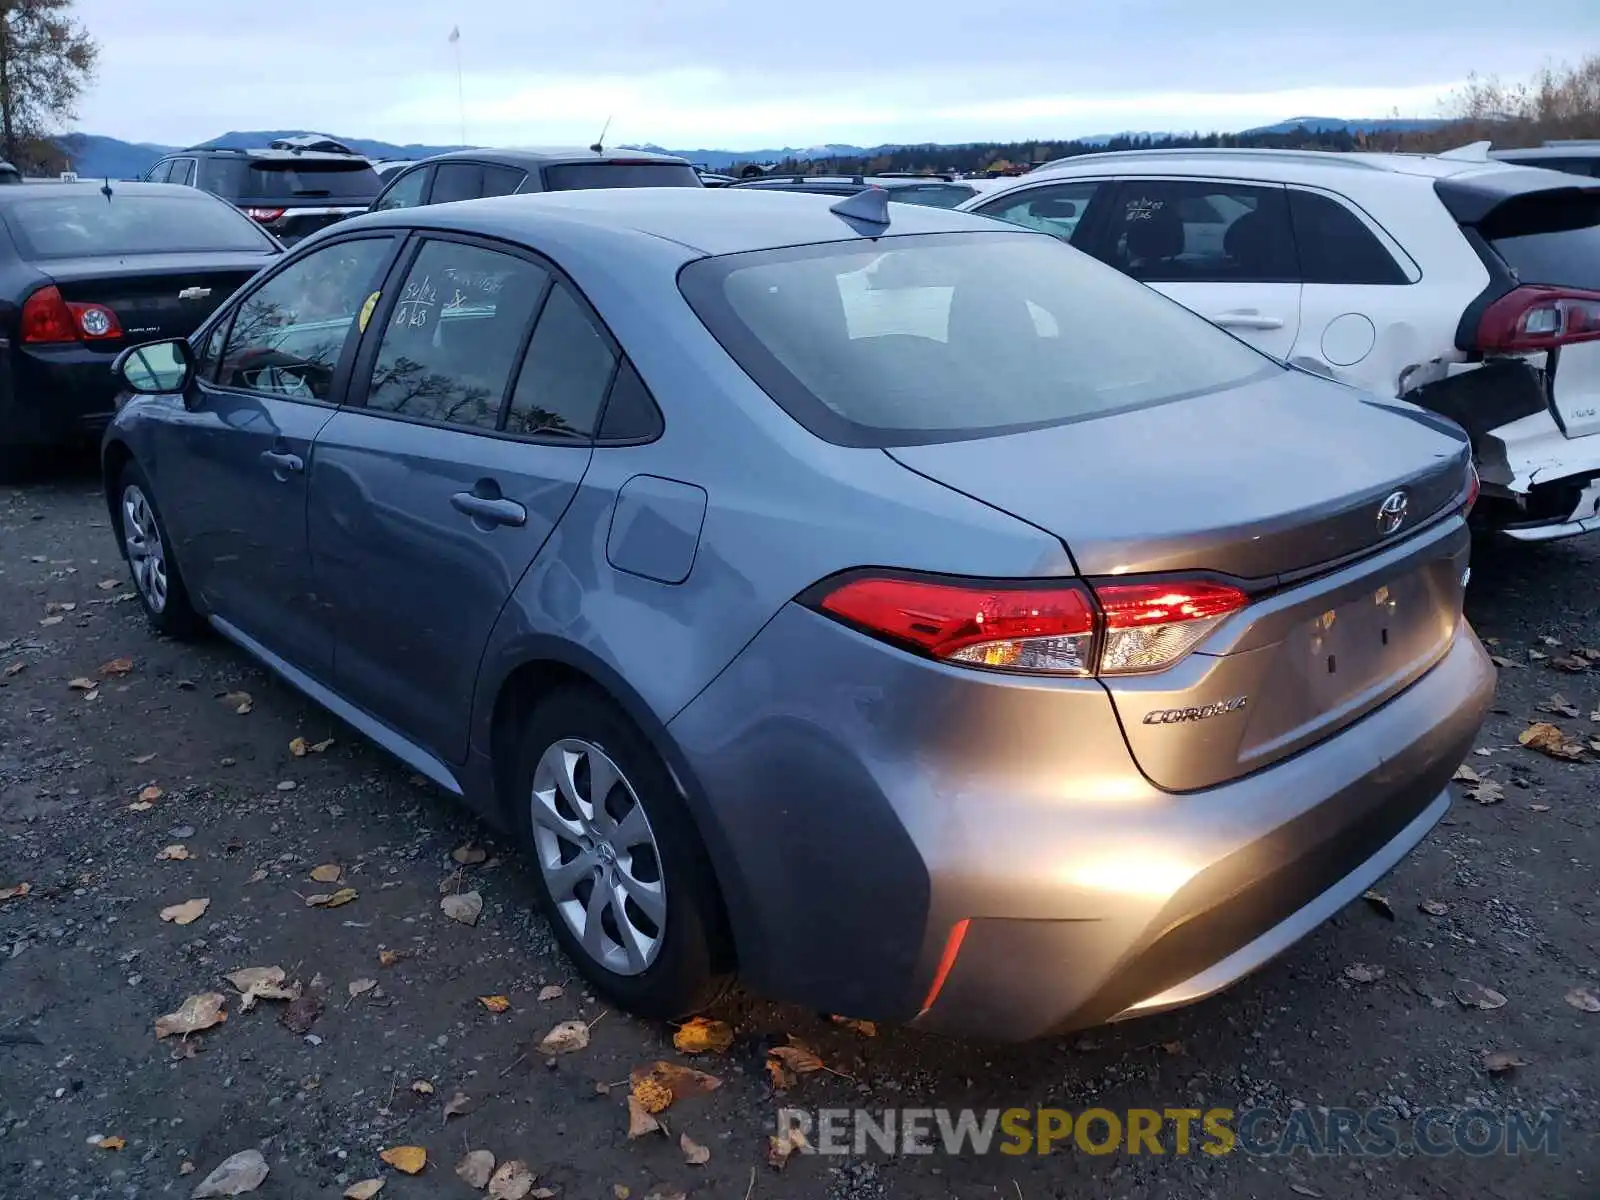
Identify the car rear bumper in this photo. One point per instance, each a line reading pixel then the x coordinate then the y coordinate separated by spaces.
pixel 978 854
pixel 59 395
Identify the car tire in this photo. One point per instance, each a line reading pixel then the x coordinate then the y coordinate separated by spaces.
pixel 148 551
pixel 637 842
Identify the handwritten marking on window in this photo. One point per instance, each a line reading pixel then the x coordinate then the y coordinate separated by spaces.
pixel 1142 209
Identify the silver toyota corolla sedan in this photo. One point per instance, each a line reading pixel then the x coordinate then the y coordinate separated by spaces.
pixel 899 610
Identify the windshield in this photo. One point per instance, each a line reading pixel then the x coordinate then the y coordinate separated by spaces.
pixel 949 336
pixel 1554 243
pixel 90 226
pixel 572 177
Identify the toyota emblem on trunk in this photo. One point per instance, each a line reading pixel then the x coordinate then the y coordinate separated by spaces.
pixel 1392 512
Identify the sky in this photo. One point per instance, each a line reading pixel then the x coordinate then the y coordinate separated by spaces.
pixel 712 74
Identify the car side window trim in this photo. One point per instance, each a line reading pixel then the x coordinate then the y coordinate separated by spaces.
pixel 1396 251
pixel 339 388
pixel 365 359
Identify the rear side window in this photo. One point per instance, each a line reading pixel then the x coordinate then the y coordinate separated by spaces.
pixel 87 225
pixel 1058 209
pixel 568 177
pixel 1554 240
pixel 941 337
pixel 564 380
pixel 502 181
pixel 456 181
pixel 1335 245
pixel 299 180
pixel 1173 231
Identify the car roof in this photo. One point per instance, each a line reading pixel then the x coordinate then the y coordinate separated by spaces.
pixel 1284 165
pixel 268 154
pixel 887 182
pixel 708 221
pixel 97 188
pixel 530 157
pixel 1570 150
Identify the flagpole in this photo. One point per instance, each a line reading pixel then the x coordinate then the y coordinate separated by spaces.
pixel 461 95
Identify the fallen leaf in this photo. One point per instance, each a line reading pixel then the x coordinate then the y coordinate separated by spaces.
pixel 495 1004
pixel 116 668
pixel 143 760
pixel 111 1143
pixel 410 1159
pixel 198 1012
pixel 1501 660
pixel 1570 662
pixel 512 1181
pixel 248 978
pixel 650 1094
pixel 61 606
pixel 81 684
pixel 140 806
pixel 1584 1000
pixel 298 747
pixel 1559 705
pixel 365 1190
pixel 287 785
pixel 108 585
pixel 150 794
pixel 566 1038
pixel 340 898
pixel 15 892
pixel 666 1191
pixel 1465 774
pixel 553 991
pixel 1537 656
pixel 469 855
pixel 186 913
pixel 466 907
pixel 1548 739
pixel 1434 908
pixel 459 1105
pixel 796 1058
pixel 257 875
pixel 48 621
pixel 1488 792
pixel 242 1173
pixel 1363 973
pixel 1379 904
pixel 694 1153
pixel 1498 1062
pixel 475 1168
pixel 320 747
pixel 16 668
pixel 1474 995
pixel 1538 808
pixel 388 958
pixel 640 1119
pixel 1301 1189
pixel 700 1035
pixel 666 1083
pixel 1548 640
pixel 542 1194
pixel 186 1167
pixel 302 1013
pixel 240 702
pixel 781 1078
pixel 327 873
pixel 360 987
pixel 781 1146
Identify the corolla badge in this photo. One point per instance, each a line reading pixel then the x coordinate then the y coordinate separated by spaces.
pixel 1182 716
pixel 1392 512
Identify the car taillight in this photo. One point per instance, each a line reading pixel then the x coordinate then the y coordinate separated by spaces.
pixel 1055 628
pixel 47 319
pixel 264 215
pixel 95 321
pixel 1539 318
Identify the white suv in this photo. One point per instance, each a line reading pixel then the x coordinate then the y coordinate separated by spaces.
pixel 1468 286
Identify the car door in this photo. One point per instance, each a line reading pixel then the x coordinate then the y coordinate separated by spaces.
pixel 1223 248
pixel 480 380
pixel 245 439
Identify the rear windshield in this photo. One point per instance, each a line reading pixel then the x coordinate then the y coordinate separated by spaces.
pixel 935 195
pixel 575 177
pixel 941 337
pixel 88 226
pixel 290 179
pixel 1556 243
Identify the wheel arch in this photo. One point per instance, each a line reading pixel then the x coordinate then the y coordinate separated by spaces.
pixel 114 458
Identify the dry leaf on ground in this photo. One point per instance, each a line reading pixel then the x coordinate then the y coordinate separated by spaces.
pixel 1574 663
pixel 781 1146
pixel 1487 792
pixel 1548 739
pixel 327 873
pixel 81 684
pixel 320 747
pixel 116 668
pixel 1559 705
pixel 1501 660
pixel 1363 973
pixel 360 987
pixel 466 907
pixel 261 983
pixel 111 1143
pixel 342 897
pixel 244 1172
pixel 797 1058
pixel 1465 774
pixel 640 1119
pixel 410 1159
pixel 1434 908
pixel 552 991
pixel 664 1083
pixel 150 794
pixel 176 852
pixel 422 1087
pixel 1379 903
pixel 513 1181
pixel 469 855
pixel 302 1013
pixel 186 913
pixel 650 1094
pixel 566 1038
pixel 388 958
pixel 365 1190
pixel 1584 1000
pixel 198 1012
pixel 15 892
pixel 700 1035
pixel 1498 1062
pixel 52 621
pixel 459 1105
pixel 495 1004
pixel 475 1168
pixel 240 702
pixel 298 747
pixel 143 760
pixel 694 1153
pixel 16 668
pixel 1475 995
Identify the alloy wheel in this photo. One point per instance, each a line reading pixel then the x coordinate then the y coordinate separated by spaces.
pixel 599 856
pixel 147 556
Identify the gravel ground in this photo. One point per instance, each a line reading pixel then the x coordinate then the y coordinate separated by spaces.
pixel 87 964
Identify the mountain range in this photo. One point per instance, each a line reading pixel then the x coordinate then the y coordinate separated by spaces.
pixel 94 155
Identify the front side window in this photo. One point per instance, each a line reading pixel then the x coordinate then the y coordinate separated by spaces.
pixel 1057 208
pixel 406 191
pixel 1170 230
pixel 451 343
pixel 932 338
pixel 289 334
pixel 182 172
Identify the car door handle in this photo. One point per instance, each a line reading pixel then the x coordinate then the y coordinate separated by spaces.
pixel 490 511
pixel 281 461
pixel 1246 320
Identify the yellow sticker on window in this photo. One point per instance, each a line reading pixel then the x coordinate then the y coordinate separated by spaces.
pixel 366 310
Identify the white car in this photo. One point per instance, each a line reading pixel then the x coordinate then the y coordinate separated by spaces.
pixel 1466 285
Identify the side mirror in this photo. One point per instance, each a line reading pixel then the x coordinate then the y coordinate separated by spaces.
pixel 156 367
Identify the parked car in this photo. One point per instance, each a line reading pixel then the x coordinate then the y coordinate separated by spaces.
pixel 1469 286
pixel 291 192
pixel 9 174
pixel 89 269
pixel 843 594
pixel 1574 157
pixel 474 174
pixel 937 191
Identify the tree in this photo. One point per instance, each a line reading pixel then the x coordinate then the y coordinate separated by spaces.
pixel 46 61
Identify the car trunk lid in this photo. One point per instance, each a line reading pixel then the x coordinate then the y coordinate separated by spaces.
pixel 155 296
pixel 1286 486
